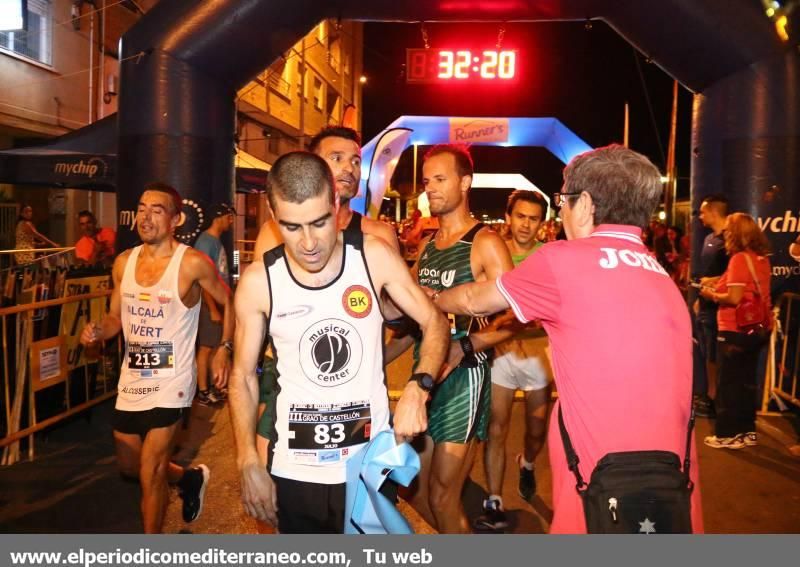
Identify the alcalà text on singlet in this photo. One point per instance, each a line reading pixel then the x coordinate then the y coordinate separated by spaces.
pixel 613 258
pixel 144 311
pixel 146 331
pixel 328 329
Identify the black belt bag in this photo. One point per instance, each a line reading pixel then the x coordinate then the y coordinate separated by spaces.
pixel 635 492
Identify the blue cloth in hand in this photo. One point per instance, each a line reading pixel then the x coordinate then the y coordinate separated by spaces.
pixel 367 511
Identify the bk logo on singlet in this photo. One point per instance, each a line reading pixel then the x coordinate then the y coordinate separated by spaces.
pixel 357 301
pixel 331 352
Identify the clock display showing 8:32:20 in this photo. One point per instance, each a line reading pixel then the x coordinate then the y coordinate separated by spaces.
pixel 455 65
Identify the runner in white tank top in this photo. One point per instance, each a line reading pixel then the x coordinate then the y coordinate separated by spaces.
pixel 155 303
pixel 332 398
pixel 320 301
pixel 158 369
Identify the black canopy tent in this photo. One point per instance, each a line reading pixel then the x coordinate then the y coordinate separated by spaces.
pixel 87 159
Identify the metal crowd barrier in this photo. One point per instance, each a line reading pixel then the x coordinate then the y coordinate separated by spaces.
pixel 784 353
pixel 30 367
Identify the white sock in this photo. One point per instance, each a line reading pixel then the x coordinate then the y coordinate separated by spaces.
pixel 496 497
pixel 525 464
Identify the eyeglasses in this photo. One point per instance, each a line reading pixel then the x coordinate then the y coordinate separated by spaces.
pixel 560 199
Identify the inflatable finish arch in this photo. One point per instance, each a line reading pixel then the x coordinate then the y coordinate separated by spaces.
pixel 549 133
pixel 184 60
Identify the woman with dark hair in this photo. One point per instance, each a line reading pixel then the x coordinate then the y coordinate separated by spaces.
pixel 27 237
pixel 746 279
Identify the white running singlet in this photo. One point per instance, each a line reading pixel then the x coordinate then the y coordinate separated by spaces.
pixel 160 331
pixel 328 345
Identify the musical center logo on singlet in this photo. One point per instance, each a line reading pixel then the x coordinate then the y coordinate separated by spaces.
pixel 357 301
pixel 330 352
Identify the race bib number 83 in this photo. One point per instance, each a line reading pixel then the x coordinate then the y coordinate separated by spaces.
pixel 316 429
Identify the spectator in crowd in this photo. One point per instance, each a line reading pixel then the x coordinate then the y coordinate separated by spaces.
pixel 681 275
pixel 712 263
pixel 209 328
pixel 596 293
pixel 747 277
pixel 668 249
pixel 96 245
pixel 412 234
pixel 27 237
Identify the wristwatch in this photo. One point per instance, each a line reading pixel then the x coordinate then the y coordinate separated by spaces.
pixel 469 360
pixel 466 347
pixel 227 345
pixel 424 380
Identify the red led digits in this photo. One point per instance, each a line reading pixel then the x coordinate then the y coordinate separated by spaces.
pixel 462 65
pixel 508 64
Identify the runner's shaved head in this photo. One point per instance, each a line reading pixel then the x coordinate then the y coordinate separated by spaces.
pixel 299 176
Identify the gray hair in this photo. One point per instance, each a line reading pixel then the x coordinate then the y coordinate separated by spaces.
pixel 625 186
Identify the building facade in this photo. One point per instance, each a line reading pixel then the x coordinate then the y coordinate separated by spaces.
pixel 61 74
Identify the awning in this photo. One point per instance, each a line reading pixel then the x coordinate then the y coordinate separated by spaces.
pixel 87 159
pixel 251 173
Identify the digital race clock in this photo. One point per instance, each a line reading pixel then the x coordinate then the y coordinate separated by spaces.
pixel 454 65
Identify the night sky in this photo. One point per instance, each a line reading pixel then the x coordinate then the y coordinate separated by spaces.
pixel 582 77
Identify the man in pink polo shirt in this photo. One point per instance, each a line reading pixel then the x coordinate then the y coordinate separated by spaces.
pixel 619 329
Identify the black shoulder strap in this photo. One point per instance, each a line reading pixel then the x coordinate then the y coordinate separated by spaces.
pixel 354 236
pixel 569 450
pixel 687 457
pixel 355 223
pixel 470 236
pixel 273 255
pixel 270 257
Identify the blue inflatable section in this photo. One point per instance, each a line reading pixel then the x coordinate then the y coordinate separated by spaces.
pixel 549 133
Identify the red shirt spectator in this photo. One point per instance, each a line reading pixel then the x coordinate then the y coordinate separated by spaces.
pixel 96 246
pixel 623 365
pixel 738 274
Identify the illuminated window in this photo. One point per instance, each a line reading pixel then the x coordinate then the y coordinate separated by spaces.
pixel 36 41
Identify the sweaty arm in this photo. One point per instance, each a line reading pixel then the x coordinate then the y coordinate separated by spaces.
pixel 489 259
pixel 381 230
pixel 111 324
pixel 478 299
pixel 397 345
pixel 391 274
pixel 732 296
pixel 211 283
pixel 259 495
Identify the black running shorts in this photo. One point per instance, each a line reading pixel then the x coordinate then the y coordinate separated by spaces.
pixel 140 422
pixel 309 507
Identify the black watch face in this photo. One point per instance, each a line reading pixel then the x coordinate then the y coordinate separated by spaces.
pixel 426 381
